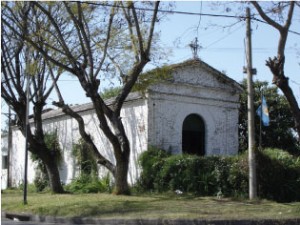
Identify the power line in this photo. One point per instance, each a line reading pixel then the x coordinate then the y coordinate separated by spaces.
pixel 220 39
pixel 295 82
pixel 199 18
pixel 183 13
pixel 165 11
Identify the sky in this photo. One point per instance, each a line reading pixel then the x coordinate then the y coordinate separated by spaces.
pixel 222 48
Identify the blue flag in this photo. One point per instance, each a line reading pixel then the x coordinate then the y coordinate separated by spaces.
pixel 263 112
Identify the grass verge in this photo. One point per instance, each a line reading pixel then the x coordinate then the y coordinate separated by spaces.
pixel 167 206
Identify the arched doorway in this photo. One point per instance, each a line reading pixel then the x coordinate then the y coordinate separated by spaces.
pixel 193 135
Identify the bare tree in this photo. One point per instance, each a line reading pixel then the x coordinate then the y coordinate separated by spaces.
pixel 19 61
pixel 276 64
pixel 99 40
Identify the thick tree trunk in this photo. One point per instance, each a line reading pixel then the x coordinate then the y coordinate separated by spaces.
pixel 40 149
pixel 54 177
pixel 121 184
pixel 276 66
pixel 46 155
pixel 37 146
pixel 122 151
pixel 51 167
pixel 288 93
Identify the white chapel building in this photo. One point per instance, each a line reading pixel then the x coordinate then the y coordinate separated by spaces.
pixel 195 112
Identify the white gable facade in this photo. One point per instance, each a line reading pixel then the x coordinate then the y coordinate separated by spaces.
pixel 196 112
pixel 196 89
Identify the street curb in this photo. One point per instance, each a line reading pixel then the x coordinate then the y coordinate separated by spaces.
pixel 82 220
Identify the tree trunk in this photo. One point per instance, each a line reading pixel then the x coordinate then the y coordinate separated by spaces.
pixel 122 152
pixel 288 93
pixel 54 177
pixel 121 185
pixel 276 66
pixel 40 149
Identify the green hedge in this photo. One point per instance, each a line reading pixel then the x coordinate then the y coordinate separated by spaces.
pixel 278 174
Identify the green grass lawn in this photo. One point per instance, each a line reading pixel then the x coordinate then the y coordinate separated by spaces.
pixel 156 206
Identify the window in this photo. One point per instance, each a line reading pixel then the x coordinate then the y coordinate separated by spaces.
pixel 4 162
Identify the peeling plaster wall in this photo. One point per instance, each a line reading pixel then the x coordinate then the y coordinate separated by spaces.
pixel 17 160
pixel 134 117
pixel 194 91
pixel 156 120
pixel 4 153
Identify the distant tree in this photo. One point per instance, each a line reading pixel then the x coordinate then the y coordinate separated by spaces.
pixel 19 61
pixel 279 133
pixel 110 92
pixel 93 41
pixel 279 15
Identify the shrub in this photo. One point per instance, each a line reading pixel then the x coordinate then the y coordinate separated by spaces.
pixel 40 181
pixel 187 173
pixel 278 174
pixel 84 157
pixel 151 162
pixel 200 175
pixel 237 177
pixel 89 184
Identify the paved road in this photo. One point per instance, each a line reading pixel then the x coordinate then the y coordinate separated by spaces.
pixel 5 221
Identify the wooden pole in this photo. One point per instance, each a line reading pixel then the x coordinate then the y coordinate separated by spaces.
pixel 9 147
pixel 260 121
pixel 26 141
pixel 251 128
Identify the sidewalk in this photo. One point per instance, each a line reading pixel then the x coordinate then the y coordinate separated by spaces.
pixel 79 220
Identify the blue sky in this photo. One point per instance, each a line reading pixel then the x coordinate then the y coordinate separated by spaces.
pixel 222 48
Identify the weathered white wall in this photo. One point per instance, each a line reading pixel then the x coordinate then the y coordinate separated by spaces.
pixel 17 157
pixel 134 117
pixel 194 91
pixel 4 153
pixel 156 120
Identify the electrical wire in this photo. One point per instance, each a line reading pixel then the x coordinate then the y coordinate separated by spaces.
pixel 199 18
pixel 163 11
pixel 183 13
pixel 220 39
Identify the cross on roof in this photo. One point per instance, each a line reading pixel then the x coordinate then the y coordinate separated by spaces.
pixel 195 48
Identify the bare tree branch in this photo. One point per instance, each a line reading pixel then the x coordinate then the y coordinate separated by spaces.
pixel 108 35
pixel 154 17
pixel 132 36
pixel 282 29
pixel 138 67
pixel 138 30
pixel 35 45
pixel 290 16
pixel 276 64
pixel 265 17
pixel 59 34
pixel 79 34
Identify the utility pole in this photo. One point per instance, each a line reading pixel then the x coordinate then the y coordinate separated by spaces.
pixel 260 121
pixel 27 127
pixel 251 128
pixel 9 147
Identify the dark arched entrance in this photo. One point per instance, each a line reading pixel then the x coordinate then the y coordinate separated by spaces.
pixel 193 135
